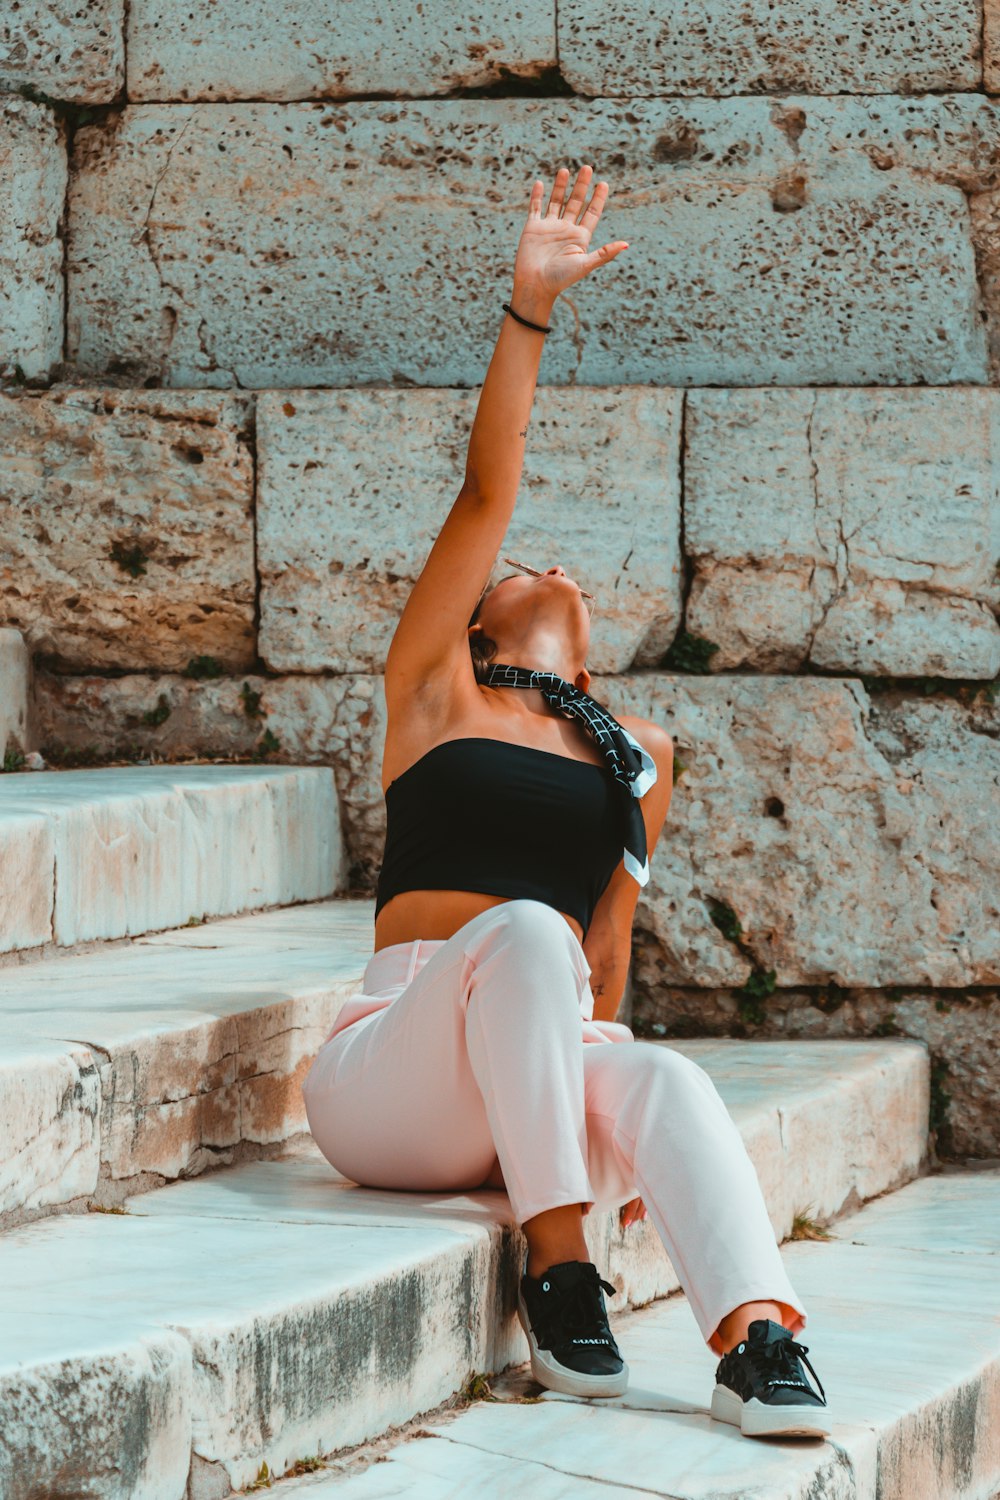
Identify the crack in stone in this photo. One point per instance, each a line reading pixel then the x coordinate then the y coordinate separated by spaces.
pixel 842 568
pixel 781 1128
pixel 55 894
pixel 76 1041
pixel 166 285
pixel 618 1484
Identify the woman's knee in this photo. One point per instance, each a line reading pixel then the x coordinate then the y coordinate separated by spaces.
pixel 533 920
pixel 676 1072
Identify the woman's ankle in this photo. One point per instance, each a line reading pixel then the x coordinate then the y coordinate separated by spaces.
pixel 554 1236
pixel 735 1326
pixel 536 1268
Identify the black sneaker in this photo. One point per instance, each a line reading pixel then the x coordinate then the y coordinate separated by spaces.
pixel 563 1316
pixel 762 1388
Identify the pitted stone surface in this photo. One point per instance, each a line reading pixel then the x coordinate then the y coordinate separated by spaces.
pixel 991 46
pixel 770 243
pixel 355 485
pixel 198 1042
pixel 301 49
pixel 141 847
pixel 984 223
pixel 704 49
pixel 845 529
pixel 64 49
pixel 32 189
pixel 834 825
pixel 126 527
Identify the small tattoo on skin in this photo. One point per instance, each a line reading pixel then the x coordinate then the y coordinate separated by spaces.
pixel 523 432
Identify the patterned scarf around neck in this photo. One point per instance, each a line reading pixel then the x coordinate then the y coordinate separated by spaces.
pixel 633 767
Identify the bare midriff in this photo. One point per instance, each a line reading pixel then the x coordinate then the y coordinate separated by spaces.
pixel 437 914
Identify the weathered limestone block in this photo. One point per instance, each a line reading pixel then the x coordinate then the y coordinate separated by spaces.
pixel 126 526
pixel 313 720
pixel 834 825
pixel 631 48
pixel 355 485
pixel 15 683
pixel 961 1031
pixel 259 244
pixel 303 49
pixel 845 529
pixel 68 51
pixel 32 189
pixel 49 1124
pixel 120 1426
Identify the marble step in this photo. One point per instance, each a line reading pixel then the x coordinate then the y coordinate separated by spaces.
pixel 272 1310
pixel 904 1333
pixel 142 1062
pixel 130 849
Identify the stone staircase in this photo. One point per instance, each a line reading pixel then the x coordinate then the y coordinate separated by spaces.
pixel 252 271
pixel 209 1322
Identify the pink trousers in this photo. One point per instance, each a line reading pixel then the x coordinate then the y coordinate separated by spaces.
pixel 482 1047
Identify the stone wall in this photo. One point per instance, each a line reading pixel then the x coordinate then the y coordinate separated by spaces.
pixel 249 287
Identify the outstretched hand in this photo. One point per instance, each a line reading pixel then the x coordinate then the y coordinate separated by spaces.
pixel 552 253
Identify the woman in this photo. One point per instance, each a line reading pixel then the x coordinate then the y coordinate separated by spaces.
pixel 483 1050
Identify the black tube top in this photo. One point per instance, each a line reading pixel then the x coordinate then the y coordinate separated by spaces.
pixel 484 815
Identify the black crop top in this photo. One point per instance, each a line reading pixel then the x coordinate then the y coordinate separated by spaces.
pixel 508 820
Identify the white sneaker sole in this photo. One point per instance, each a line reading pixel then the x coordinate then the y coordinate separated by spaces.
pixel 755 1419
pixel 548 1372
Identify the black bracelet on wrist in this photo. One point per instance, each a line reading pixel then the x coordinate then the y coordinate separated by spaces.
pixel 537 326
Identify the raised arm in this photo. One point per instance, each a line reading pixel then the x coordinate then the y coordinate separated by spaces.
pixel 431 639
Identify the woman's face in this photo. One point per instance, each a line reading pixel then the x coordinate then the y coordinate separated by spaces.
pixel 521 606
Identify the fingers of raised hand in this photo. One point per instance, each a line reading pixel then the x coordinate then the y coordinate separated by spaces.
pixel 558 194
pixel 594 207
pixel 561 207
pixel 579 195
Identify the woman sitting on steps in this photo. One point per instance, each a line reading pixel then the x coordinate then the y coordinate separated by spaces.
pixel 482 1049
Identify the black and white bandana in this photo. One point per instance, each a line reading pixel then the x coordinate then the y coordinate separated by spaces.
pixel 633 767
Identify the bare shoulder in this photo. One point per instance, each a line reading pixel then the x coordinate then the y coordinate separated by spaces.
pixel 651 736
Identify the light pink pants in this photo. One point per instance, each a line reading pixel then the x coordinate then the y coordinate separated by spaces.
pixel 480 1047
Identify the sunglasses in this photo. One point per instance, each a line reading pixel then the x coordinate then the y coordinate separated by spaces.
pixel 536 574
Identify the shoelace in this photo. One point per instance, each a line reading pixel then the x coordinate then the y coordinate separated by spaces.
pixel 578 1311
pixel 781 1356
